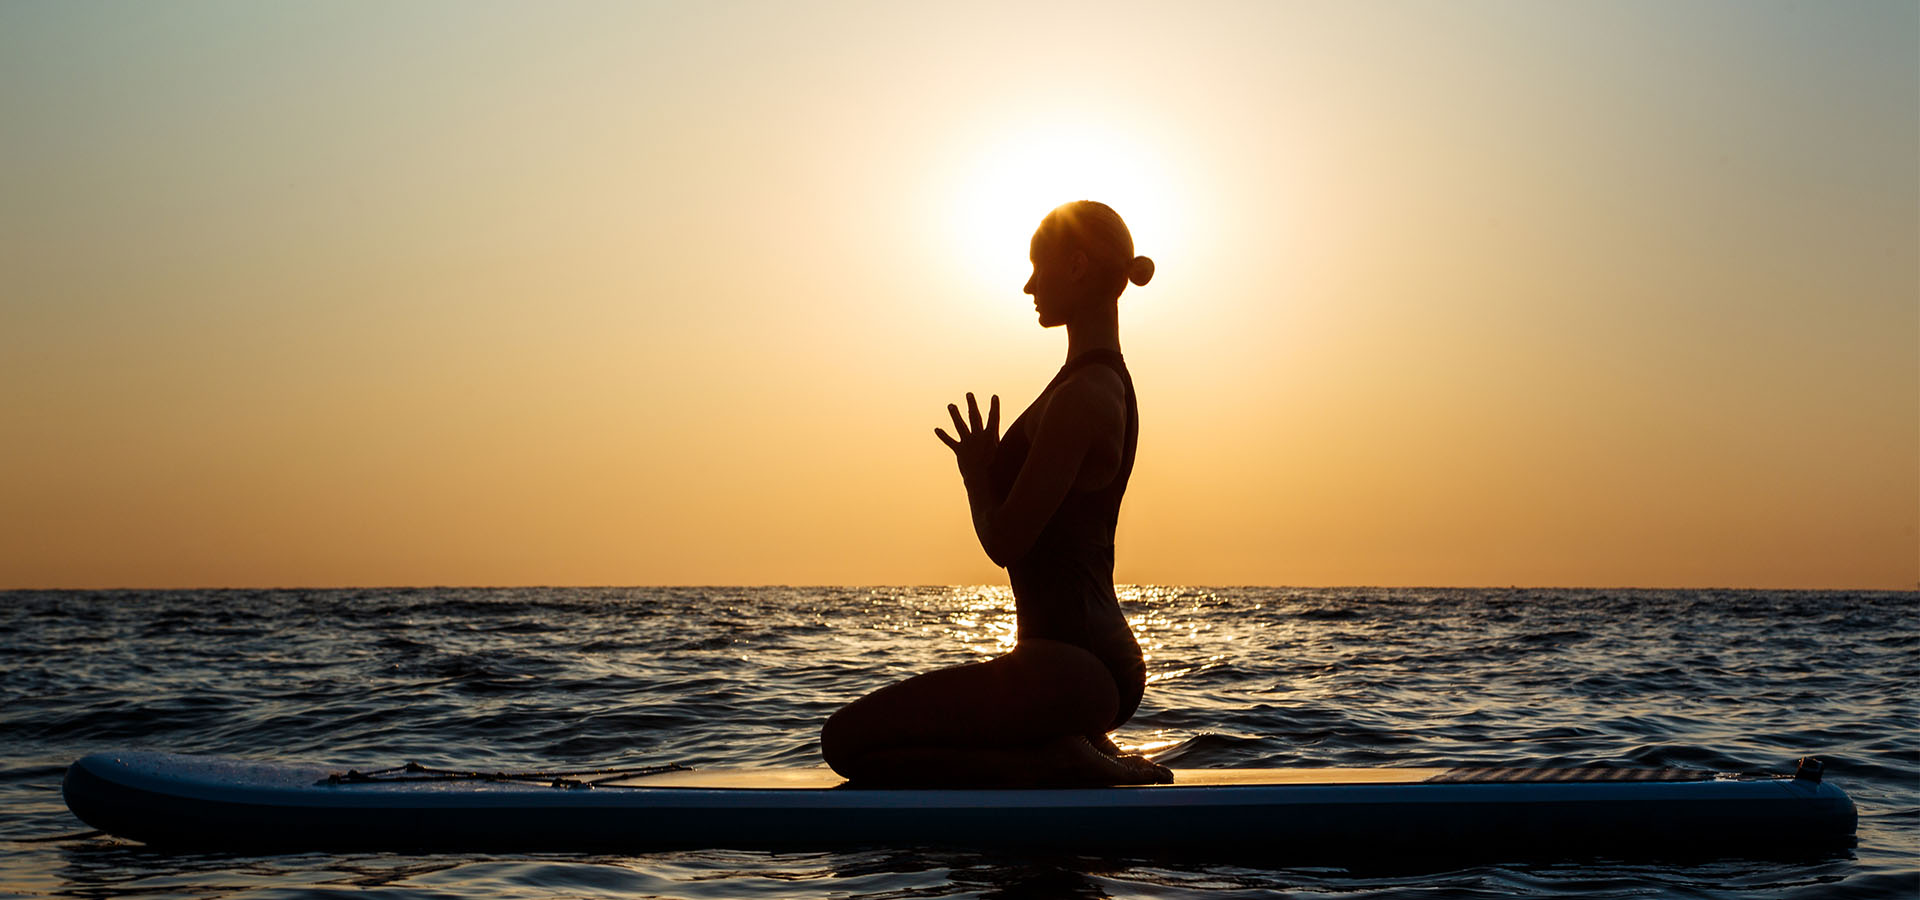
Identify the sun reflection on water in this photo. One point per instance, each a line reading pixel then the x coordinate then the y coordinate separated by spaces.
pixel 981 618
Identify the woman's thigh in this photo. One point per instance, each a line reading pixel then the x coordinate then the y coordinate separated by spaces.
pixel 1043 689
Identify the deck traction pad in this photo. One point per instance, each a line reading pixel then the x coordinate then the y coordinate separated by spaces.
pixel 1528 775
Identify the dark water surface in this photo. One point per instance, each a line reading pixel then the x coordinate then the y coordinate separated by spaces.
pixel 1731 680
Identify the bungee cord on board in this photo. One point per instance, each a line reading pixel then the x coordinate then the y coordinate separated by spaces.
pixel 572 780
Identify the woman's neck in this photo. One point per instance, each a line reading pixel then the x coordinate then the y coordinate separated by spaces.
pixel 1095 329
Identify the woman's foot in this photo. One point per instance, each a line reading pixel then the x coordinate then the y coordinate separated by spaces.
pixel 1070 761
pixel 1104 744
pixel 1145 771
pixel 1141 770
pixel 1085 761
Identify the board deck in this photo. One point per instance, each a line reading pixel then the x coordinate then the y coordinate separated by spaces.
pixel 820 779
pixel 1309 814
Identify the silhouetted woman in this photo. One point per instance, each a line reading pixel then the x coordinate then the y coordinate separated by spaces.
pixel 1044 499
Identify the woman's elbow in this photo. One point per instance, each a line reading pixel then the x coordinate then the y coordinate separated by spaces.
pixel 1005 553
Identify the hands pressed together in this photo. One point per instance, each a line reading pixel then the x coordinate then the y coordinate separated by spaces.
pixel 974 448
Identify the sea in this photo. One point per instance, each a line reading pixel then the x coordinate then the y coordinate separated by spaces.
pixel 1730 680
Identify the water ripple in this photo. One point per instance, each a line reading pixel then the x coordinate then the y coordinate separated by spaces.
pixel 1736 680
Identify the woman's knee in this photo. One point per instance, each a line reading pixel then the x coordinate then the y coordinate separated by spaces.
pixel 837 744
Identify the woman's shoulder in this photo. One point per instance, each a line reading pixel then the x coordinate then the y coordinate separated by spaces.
pixel 1090 394
pixel 1095 375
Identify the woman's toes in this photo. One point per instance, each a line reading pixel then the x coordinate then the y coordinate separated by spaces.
pixel 1145 771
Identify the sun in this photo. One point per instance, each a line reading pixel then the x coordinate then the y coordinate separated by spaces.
pixel 1012 182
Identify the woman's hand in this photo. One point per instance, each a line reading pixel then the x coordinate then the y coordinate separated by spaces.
pixel 977 442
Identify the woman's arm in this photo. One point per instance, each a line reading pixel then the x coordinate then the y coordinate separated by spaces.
pixel 1085 413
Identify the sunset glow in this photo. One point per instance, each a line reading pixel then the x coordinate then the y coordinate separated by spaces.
pixel 1459 294
pixel 1037 167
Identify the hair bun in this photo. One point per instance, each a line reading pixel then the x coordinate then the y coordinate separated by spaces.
pixel 1140 271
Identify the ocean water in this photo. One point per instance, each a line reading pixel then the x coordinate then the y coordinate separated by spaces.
pixel 1729 680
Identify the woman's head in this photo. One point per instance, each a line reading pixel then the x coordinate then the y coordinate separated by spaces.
pixel 1082 252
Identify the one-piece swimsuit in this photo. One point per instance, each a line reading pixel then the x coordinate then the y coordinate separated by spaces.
pixel 1063 587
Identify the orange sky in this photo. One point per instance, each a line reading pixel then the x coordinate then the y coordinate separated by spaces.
pixel 1448 294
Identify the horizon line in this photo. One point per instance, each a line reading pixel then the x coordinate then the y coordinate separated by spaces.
pixel 875 585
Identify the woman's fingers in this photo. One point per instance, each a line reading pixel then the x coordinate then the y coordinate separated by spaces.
pixel 964 429
pixel 952 444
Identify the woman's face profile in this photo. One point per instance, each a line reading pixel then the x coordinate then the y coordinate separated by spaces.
pixel 1056 274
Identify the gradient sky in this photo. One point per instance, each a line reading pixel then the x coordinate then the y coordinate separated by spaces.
pixel 1603 294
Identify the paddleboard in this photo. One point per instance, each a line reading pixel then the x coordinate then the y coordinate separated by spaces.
pixel 176 800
